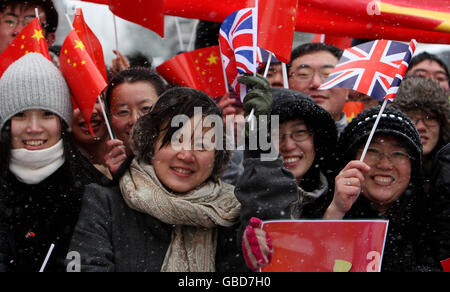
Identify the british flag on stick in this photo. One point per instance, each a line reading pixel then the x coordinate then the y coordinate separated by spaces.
pixel 374 68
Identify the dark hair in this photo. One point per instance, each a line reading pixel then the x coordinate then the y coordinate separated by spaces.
pixel 427 56
pixel 309 48
pixel 132 75
pixel 175 101
pixel 427 96
pixel 6 144
pixel 292 105
pixel 51 14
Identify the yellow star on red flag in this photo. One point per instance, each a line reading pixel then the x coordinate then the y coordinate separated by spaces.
pixel 79 45
pixel 38 35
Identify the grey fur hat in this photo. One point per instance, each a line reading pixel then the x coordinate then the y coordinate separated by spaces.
pixel 33 82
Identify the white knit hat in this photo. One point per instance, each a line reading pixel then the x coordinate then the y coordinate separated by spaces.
pixel 33 82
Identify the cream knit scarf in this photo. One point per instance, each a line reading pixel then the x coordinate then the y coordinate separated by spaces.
pixel 195 214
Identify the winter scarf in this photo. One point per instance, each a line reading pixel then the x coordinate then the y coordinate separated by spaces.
pixel 195 214
pixel 32 167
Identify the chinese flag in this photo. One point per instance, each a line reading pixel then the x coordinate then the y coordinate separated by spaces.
pixel 82 75
pixel 276 26
pixel 200 69
pixel 352 109
pixel 148 13
pixel 446 265
pixel 92 44
pixel 337 41
pixel 30 40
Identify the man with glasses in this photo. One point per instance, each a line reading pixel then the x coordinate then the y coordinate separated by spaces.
pixel 430 66
pixel 16 14
pixel 310 65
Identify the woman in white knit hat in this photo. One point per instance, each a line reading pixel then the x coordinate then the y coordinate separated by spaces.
pixel 42 175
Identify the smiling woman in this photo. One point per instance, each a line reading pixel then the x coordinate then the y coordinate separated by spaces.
pixel 42 173
pixel 170 211
pixel 387 184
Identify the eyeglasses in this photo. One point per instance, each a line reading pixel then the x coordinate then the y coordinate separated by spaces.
pixel 374 156
pixel 438 76
pixel 298 136
pixel 12 22
pixel 305 73
pixel 428 121
pixel 126 114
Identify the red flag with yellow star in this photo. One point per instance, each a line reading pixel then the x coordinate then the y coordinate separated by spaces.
pixel 91 42
pixel 276 26
pixel 30 40
pixel 200 69
pixel 82 75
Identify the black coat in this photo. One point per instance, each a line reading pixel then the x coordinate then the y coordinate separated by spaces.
pixel 438 215
pixel 32 217
pixel 112 237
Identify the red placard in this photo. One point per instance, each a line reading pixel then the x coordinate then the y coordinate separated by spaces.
pixel 326 246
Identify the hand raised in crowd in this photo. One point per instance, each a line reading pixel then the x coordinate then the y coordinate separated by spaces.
pixel 115 155
pixel 119 64
pixel 256 245
pixel 347 188
pixel 225 104
pixel 260 96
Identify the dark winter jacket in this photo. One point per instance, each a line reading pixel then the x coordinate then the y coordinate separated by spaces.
pixel 32 217
pixel 439 210
pixel 112 237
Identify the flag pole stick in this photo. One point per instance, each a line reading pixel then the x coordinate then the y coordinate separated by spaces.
pixel 36 10
pixel 266 71
pixel 46 258
pixel 115 33
pixel 227 89
pixel 285 77
pixel 369 140
pixel 180 41
pixel 70 22
pixel 191 41
pixel 105 117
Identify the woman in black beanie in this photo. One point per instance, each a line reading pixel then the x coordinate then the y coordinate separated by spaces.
pixel 385 185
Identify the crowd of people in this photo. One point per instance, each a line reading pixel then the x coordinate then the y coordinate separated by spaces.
pixel 131 200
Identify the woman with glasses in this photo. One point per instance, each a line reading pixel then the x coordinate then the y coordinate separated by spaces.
pixel 299 183
pixel 385 185
pixel 426 104
pixel 130 94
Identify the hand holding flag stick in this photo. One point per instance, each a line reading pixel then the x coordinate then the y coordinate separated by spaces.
pixel 374 68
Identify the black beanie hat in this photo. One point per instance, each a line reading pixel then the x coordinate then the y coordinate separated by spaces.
pixel 392 122
pixel 292 105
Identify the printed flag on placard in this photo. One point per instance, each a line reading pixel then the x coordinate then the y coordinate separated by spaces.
pixel 200 69
pixel 237 40
pixel 326 246
pixel 82 75
pixel 373 68
pixel 30 40
pixel 90 41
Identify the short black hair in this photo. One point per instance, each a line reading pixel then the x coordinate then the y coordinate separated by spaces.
pixel 51 14
pixel 132 75
pixel 427 56
pixel 175 101
pixel 309 48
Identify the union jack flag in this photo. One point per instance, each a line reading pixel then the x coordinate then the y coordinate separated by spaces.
pixel 374 68
pixel 238 47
